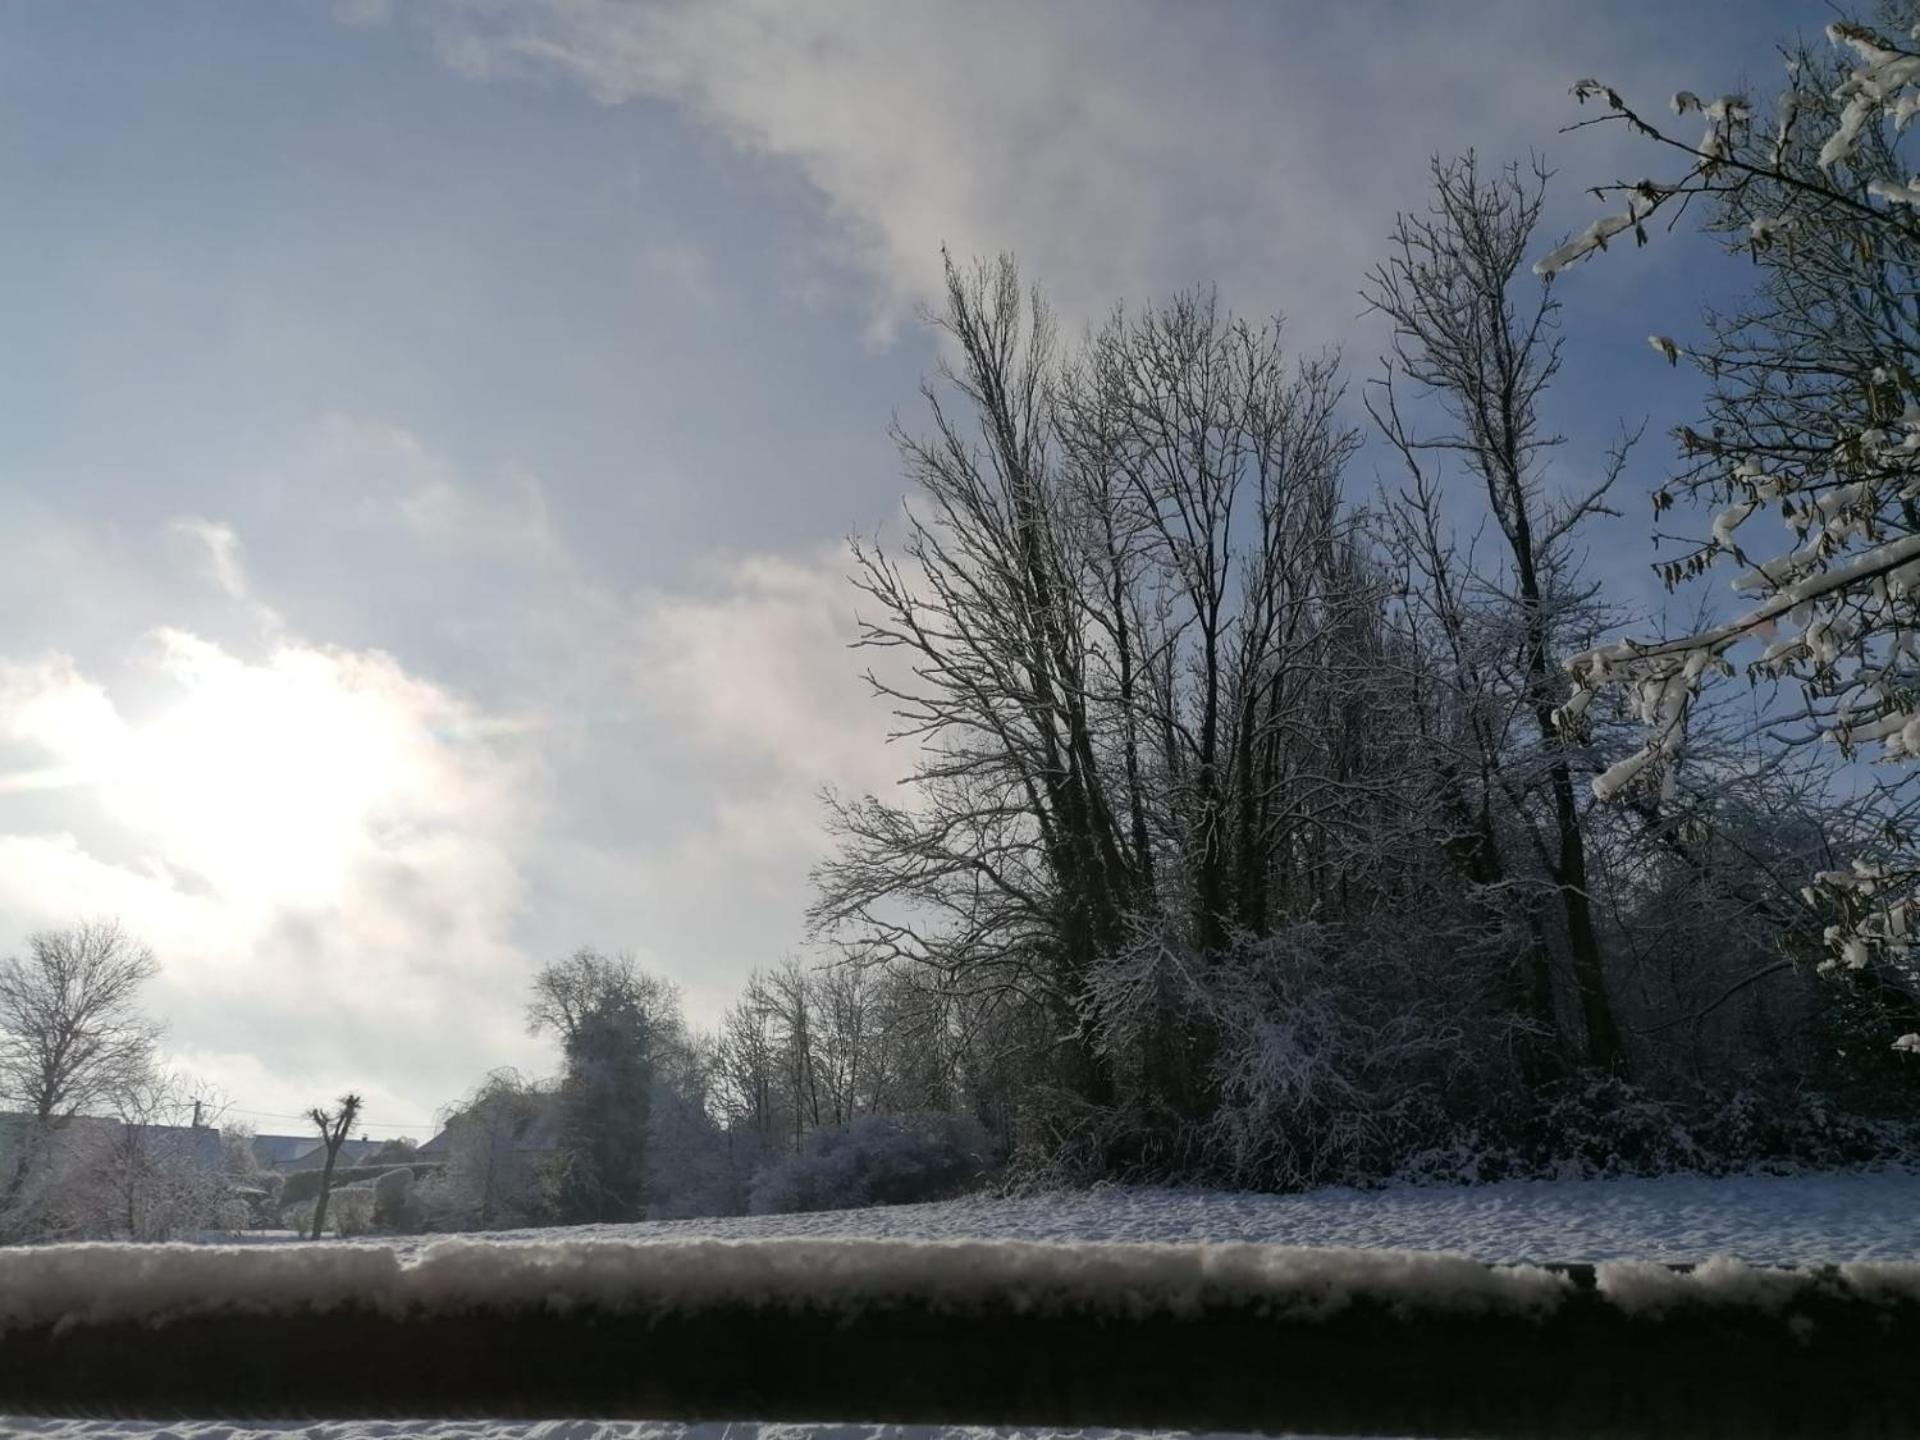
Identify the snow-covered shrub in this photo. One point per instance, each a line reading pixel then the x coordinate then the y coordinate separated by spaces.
pixel 234 1213
pixel 263 1197
pixel 1601 1125
pixel 350 1209
pixel 396 1209
pixel 875 1160
pixel 1797 1129
pixel 1327 1054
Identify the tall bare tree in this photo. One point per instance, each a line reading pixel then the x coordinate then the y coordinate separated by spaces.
pixel 72 1039
pixel 1481 347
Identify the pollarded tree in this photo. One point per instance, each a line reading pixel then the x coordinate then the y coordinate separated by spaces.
pixel 1813 417
pixel 335 1126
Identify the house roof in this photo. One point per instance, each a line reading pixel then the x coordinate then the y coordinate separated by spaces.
pixel 538 1134
pixel 201 1142
pixel 273 1151
pixel 352 1152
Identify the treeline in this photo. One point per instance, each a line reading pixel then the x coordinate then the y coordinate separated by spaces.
pixel 1246 844
pixel 1252 835
pixel 820 1090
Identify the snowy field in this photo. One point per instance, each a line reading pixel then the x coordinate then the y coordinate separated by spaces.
pixel 1800 1219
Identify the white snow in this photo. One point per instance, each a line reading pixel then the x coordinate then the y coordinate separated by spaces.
pixel 47 1429
pixel 1055 1247
pixel 62 1284
pixel 1780 1220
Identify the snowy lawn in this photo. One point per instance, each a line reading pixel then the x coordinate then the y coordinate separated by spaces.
pixel 1800 1219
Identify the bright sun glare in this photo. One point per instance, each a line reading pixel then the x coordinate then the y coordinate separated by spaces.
pixel 262 780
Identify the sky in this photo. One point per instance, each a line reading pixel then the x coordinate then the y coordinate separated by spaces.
pixel 429 431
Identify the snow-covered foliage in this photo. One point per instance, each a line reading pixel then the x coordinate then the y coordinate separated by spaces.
pixel 875 1160
pixel 1815 408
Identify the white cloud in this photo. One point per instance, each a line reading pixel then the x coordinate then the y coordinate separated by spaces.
pixel 223 553
pixel 311 854
pixel 350 867
pixel 1122 148
pixel 386 472
pixel 757 664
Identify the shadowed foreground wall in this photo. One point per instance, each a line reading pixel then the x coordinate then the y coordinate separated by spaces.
pixel 1424 1349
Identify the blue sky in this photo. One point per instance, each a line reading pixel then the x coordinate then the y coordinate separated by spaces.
pixel 426 431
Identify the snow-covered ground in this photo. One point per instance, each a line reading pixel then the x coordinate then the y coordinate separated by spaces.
pixel 1799 1219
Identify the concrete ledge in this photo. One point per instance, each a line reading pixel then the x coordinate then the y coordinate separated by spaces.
pixel 1622 1351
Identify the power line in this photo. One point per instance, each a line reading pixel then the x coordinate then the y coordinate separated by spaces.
pixel 358 1124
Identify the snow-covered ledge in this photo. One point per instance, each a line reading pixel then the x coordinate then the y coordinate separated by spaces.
pixel 1196 1336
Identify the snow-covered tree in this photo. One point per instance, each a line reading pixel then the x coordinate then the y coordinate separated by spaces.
pixel 493 1176
pixel 73 1041
pixel 1809 454
pixel 1479 346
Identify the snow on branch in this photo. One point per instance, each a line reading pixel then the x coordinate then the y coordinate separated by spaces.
pixel 1838 598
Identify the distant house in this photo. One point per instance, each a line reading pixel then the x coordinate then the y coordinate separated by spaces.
pixel 537 1136
pixel 352 1153
pixel 199 1144
pixel 278 1152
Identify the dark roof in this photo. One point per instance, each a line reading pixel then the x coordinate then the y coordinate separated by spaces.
pixel 352 1152
pixel 274 1151
pixel 202 1142
pixel 540 1134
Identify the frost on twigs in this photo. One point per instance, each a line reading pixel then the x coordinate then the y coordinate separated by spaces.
pixel 1815 429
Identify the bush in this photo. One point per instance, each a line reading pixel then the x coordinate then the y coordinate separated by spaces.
pixel 304 1185
pixel 1595 1126
pixel 396 1208
pixel 876 1160
pixel 350 1209
pixel 234 1213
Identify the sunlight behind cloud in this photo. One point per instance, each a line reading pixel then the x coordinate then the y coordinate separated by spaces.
pixel 263 779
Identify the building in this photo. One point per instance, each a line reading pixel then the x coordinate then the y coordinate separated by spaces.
pixel 277 1152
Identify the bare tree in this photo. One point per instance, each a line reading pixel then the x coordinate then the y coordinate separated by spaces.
pixel 334 1126
pixel 1484 349
pixel 569 991
pixel 161 1169
pixel 72 1040
pixel 1141 647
